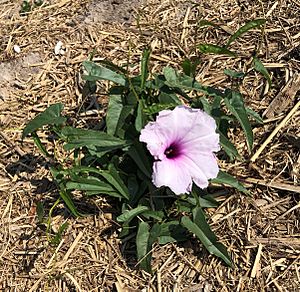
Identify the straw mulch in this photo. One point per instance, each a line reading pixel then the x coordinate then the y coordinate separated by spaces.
pixel 262 232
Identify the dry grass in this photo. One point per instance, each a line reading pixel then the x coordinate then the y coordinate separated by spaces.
pixel 262 232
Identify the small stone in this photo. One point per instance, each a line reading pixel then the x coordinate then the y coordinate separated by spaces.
pixel 17 49
pixel 58 48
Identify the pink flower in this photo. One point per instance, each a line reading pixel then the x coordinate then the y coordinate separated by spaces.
pixel 182 142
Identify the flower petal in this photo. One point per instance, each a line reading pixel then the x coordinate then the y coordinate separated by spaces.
pixel 170 173
pixel 202 167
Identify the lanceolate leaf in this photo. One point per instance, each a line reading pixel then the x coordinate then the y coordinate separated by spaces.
pixel 202 230
pixel 128 215
pixel 115 183
pixel 227 179
pixel 254 115
pixel 258 66
pixel 249 25
pixel 96 72
pixel 140 117
pixel 68 201
pixel 142 245
pixel 204 22
pixel 214 49
pixel 77 138
pixel 235 104
pixel 185 82
pixel 144 67
pixel 114 110
pixel 228 147
pixel 51 116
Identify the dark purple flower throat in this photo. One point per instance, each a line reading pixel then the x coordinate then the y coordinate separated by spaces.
pixel 173 151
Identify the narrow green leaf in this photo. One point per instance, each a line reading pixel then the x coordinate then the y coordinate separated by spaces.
pixel 142 245
pixel 128 215
pixel 235 104
pixel 254 115
pixel 214 49
pixel 140 120
pixel 40 211
pixel 189 67
pixel 51 116
pixel 58 236
pixel 234 74
pixel 249 25
pixel 77 138
pixel 39 144
pixel 204 22
pixel 96 72
pixel 89 184
pixel 114 110
pixel 258 66
pixel 184 82
pixel 113 177
pixel 207 237
pixel 228 147
pixel 227 179
pixel 144 67
pixel 68 201
pixel 157 215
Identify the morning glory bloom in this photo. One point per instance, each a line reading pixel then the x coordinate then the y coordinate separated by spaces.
pixel 182 142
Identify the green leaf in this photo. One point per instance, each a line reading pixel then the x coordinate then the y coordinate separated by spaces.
pixel 249 25
pixel 51 116
pixel 202 230
pixel 171 231
pixel 89 184
pixel 227 179
pixel 113 177
pixel 39 144
pixel 140 120
pixel 185 82
pixel 138 154
pixel 189 67
pixel 204 22
pixel 68 201
pixel 214 49
pixel 157 107
pixel 258 66
pixel 114 110
pixel 116 186
pixel 157 215
pixel 142 245
pixel 228 147
pixel 58 236
pixel 144 67
pixel 235 104
pixel 40 210
pixel 128 215
pixel 96 72
pixel 234 74
pixel 254 115
pixel 77 138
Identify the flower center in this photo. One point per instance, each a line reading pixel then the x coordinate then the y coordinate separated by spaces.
pixel 172 151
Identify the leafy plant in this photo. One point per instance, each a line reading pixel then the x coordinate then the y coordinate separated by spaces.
pixel 223 50
pixel 113 162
